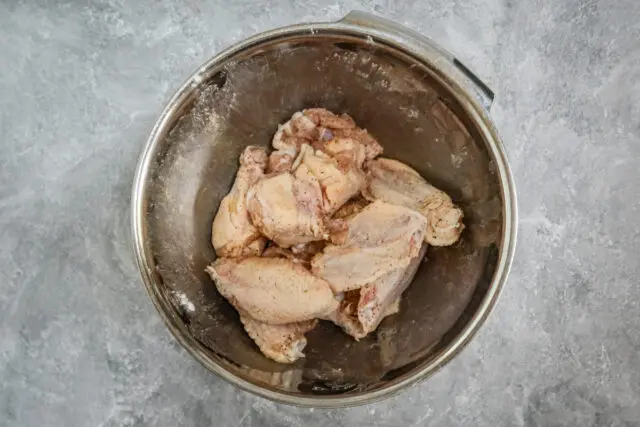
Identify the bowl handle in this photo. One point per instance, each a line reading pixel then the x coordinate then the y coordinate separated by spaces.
pixel 425 46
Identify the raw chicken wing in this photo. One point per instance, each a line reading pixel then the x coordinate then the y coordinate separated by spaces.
pixel 288 209
pixel 272 290
pixel 394 182
pixel 232 233
pixel 282 343
pixel 343 126
pixel 382 297
pixel 362 310
pixel 316 126
pixel 378 240
pixel 340 175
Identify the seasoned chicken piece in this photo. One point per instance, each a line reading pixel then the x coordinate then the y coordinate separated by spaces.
pixel 282 343
pixel 394 182
pixel 362 310
pixel 288 209
pixel 232 233
pixel 378 240
pixel 272 290
pixel 343 126
pixel 382 297
pixel 316 126
pixel 351 208
pixel 340 175
pixel 299 130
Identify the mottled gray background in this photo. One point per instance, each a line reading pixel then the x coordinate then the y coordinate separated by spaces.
pixel 80 86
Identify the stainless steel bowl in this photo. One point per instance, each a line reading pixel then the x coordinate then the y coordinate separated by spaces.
pixel 426 109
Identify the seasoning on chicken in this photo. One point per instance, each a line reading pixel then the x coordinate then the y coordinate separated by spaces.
pixel 334 126
pixel 381 238
pixel 394 182
pixel 290 136
pixel 288 209
pixel 382 297
pixel 293 209
pixel 340 174
pixel 232 233
pixel 272 290
pixel 282 343
pixel 316 126
pixel 279 162
pixel 362 310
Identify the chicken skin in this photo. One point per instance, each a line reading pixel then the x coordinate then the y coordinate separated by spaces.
pixel 394 182
pixel 232 233
pixel 316 126
pixel 362 310
pixel 288 209
pixel 282 343
pixel 272 290
pixel 340 174
pixel 378 240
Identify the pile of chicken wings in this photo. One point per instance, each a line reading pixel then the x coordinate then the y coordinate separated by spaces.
pixel 323 228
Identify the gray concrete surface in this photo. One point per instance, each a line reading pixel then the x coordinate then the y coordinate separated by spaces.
pixel 80 86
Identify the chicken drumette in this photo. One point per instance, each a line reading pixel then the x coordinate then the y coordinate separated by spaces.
pixel 394 182
pixel 361 310
pixel 379 239
pixel 272 290
pixel 288 209
pixel 316 126
pixel 282 343
pixel 278 301
pixel 295 208
pixel 338 170
pixel 232 233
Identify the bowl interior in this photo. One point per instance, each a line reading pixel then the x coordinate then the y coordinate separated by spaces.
pixel 417 121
